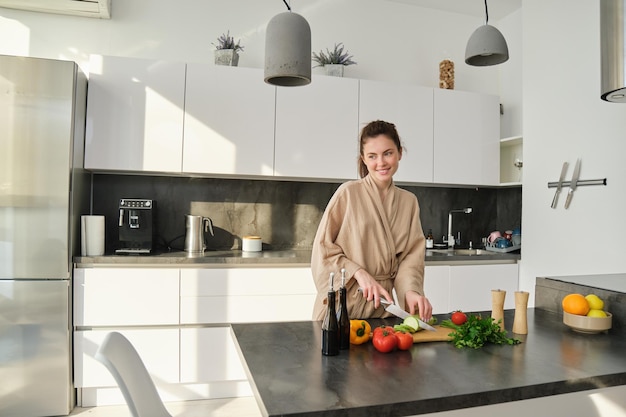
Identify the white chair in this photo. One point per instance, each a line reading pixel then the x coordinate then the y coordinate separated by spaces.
pixel 132 377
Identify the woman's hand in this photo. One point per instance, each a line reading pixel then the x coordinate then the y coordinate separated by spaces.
pixel 371 289
pixel 418 304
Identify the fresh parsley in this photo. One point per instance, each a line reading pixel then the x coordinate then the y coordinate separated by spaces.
pixel 477 331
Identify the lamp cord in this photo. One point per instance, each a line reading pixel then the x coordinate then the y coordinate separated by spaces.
pixel 289 8
pixel 486 13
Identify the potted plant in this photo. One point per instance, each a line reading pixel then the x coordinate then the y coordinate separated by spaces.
pixel 226 50
pixel 333 61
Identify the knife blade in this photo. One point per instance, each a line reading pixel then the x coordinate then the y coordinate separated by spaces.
pixel 559 185
pixel 573 183
pixel 398 312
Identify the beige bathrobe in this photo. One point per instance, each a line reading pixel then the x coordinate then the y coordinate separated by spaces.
pixel 358 230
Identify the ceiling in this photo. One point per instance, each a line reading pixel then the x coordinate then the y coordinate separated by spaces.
pixel 497 8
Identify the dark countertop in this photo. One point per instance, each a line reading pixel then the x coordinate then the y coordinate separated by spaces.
pixel 267 258
pixel 290 376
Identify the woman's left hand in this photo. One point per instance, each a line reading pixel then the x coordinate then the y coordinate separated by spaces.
pixel 418 304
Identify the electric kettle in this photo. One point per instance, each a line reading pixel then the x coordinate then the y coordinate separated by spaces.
pixel 196 227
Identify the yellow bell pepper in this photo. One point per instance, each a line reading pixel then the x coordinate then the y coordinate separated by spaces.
pixel 359 331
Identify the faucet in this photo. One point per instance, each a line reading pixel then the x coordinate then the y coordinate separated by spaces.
pixel 466 210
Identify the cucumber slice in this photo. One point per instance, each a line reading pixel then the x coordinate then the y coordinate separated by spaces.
pixel 412 323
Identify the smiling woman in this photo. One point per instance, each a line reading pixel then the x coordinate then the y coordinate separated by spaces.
pixel 372 229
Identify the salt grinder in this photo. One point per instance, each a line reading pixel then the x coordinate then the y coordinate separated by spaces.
pixel 497 306
pixel 520 322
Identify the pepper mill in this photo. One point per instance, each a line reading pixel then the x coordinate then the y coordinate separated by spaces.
pixel 520 323
pixel 497 306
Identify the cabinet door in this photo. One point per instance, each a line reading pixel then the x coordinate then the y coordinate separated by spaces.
pixel 134 115
pixel 229 121
pixel 120 296
pixel 236 295
pixel 158 349
pixel 466 131
pixel 437 287
pixel 410 108
pixel 209 354
pixel 317 129
pixel 471 285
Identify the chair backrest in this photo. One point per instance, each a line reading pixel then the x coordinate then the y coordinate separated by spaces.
pixel 131 375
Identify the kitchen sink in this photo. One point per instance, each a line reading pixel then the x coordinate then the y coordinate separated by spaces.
pixel 460 252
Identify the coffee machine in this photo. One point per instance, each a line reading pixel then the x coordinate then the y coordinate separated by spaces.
pixel 136 226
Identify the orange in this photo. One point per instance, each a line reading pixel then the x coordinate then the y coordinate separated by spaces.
pixel 575 304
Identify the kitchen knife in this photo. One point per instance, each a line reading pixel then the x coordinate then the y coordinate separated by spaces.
pixel 560 184
pixel 398 312
pixel 573 183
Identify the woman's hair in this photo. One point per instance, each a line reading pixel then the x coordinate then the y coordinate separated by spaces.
pixel 371 130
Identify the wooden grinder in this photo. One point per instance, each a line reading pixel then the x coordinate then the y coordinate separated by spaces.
pixel 497 306
pixel 520 323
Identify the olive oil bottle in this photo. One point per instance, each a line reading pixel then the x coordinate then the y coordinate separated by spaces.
pixel 342 314
pixel 330 327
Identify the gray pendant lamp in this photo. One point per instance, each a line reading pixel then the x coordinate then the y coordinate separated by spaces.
pixel 486 46
pixel 288 50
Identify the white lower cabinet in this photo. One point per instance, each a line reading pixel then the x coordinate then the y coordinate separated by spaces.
pixel 235 295
pixel 209 354
pixel 158 349
pixel 471 285
pixel 178 321
pixel 437 287
pixel 468 287
pixel 126 296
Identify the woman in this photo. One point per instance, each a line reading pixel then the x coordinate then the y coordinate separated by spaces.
pixel 372 229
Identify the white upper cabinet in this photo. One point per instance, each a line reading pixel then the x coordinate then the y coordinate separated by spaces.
pixel 466 131
pixel 134 115
pixel 317 129
pixel 410 108
pixel 229 121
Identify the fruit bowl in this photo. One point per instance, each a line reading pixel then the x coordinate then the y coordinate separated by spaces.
pixel 585 324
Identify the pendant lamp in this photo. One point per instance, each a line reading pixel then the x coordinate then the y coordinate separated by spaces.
pixel 486 46
pixel 288 50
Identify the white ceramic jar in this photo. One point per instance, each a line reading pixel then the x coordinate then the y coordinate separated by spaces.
pixel 251 243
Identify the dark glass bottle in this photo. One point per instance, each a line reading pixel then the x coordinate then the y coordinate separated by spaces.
pixel 330 327
pixel 342 315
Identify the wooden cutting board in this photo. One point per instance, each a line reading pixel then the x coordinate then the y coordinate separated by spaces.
pixel 441 335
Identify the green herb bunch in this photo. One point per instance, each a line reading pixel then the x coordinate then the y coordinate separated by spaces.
pixel 477 331
pixel 336 56
pixel 225 41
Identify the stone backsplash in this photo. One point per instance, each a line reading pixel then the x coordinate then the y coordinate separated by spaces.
pixel 284 213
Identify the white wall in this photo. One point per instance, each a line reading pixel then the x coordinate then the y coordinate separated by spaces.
pixel 565 119
pixel 389 40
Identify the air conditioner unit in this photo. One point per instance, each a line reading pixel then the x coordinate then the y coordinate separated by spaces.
pixel 100 9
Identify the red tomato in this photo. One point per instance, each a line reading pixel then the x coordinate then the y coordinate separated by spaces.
pixel 405 340
pixel 458 318
pixel 382 328
pixel 384 340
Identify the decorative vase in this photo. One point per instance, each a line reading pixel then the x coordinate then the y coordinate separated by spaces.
pixel 335 70
pixel 446 74
pixel 228 57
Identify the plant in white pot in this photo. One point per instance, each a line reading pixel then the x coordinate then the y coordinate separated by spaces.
pixel 334 61
pixel 226 50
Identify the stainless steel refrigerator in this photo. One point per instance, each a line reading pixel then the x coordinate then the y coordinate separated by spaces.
pixel 43 191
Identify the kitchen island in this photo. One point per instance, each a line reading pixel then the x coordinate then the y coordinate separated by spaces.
pixel 289 375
